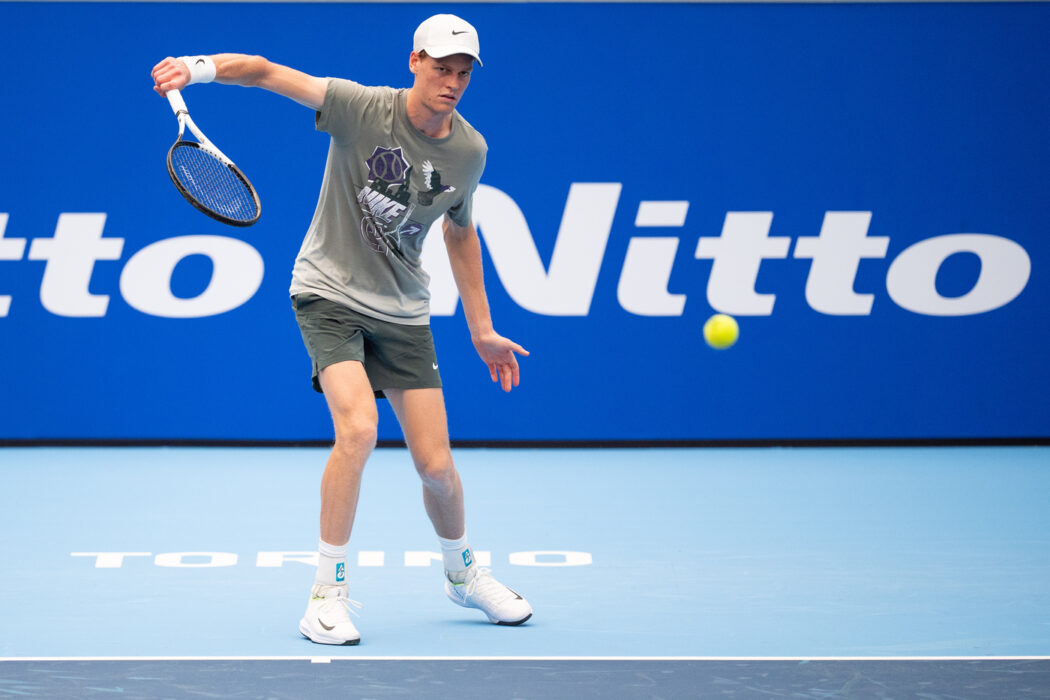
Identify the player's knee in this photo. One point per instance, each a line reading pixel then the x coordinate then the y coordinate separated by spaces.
pixel 356 433
pixel 437 469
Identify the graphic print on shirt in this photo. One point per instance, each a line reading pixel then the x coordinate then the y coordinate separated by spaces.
pixel 432 182
pixel 386 201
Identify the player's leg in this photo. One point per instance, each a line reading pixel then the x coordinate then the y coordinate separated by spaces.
pixel 421 413
pixel 334 339
pixel 354 416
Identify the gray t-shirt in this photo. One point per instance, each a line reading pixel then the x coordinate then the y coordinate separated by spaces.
pixel 384 184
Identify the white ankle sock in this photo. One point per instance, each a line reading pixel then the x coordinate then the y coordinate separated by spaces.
pixel 457 558
pixel 331 564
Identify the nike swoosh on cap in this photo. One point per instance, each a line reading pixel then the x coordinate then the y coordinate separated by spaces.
pixel 461 31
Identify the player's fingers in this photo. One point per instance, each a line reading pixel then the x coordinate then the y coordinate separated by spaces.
pixel 520 350
pixel 170 74
pixel 492 372
pixel 162 81
pixel 164 69
pixel 504 376
pixel 174 83
pixel 514 375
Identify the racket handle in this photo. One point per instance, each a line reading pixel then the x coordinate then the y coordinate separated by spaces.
pixel 176 102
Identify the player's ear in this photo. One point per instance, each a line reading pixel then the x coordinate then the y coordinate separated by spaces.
pixel 413 62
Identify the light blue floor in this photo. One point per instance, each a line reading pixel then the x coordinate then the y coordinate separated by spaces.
pixel 694 552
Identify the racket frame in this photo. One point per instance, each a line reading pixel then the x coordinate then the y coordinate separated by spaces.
pixel 178 106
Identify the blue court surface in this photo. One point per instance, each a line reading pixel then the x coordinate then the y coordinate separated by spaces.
pixel 657 572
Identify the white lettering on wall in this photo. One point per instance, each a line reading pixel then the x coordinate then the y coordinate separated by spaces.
pixel 237 272
pixel 71 256
pixel 1005 269
pixel 646 272
pixel 836 255
pixel 737 254
pixel 567 285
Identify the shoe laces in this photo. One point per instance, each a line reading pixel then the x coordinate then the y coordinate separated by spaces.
pixel 337 604
pixel 485 587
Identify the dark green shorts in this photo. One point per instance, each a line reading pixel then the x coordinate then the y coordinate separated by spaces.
pixel 395 356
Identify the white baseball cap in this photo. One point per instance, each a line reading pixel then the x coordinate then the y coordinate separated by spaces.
pixel 447 35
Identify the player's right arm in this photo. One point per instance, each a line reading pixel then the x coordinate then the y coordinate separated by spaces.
pixel 249 71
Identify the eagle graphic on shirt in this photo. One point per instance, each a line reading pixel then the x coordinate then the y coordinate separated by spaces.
pixel 432 182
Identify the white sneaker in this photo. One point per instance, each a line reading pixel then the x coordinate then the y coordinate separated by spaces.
pixel 327 618
pixel 502 605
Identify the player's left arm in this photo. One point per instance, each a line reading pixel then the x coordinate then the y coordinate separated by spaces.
pixel 464 254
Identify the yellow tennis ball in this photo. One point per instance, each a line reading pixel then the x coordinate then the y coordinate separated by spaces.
pixel 721 331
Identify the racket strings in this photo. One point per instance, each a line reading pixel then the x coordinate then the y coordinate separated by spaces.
pixel 212 183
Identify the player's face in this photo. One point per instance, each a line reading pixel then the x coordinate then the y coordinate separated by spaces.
pixel 440 82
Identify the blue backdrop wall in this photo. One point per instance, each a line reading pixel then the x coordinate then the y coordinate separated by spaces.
pixel 863 186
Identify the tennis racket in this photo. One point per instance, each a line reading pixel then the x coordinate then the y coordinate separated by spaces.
pixel 206 177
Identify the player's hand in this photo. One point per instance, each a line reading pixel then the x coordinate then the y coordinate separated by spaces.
pixel 170 74
pixel 498 353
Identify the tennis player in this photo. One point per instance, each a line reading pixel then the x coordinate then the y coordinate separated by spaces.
pixel 398 160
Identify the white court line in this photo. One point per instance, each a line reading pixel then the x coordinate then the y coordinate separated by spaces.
pixel 326 659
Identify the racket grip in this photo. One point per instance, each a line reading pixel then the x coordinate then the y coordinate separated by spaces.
pixel 176 102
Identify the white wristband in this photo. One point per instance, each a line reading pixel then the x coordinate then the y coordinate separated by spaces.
pixel 202 68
